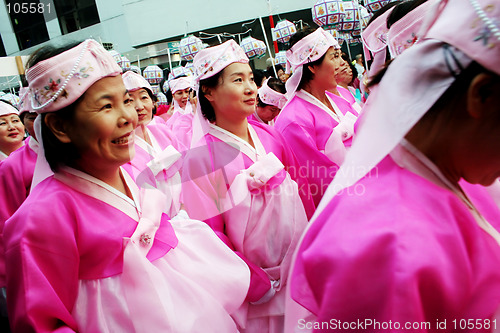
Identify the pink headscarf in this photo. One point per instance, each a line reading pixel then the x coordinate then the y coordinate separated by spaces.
pixel 134 81
pixel 206 64
pixel 180 83
pixel 59 81
pixel 6 109
pixel 24 100
pixel 455 33
pixel 308 49
pixel 271 96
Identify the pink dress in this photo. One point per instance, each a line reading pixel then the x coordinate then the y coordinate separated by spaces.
pixel 98 261
pixel 400 246
pixel 16 174
pixel 158 166
pixel 249 199
pixel 319 137
pixel 177 112
pixel 182 127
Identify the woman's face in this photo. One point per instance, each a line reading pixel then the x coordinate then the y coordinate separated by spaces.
pixel 103 127
pixel 11 133
pixel 234 98
pixel 143 104
pixel 268 112
pixel 182 97
pixel 282 75
pixel 325 73
pixel 344 77
pixel 29 119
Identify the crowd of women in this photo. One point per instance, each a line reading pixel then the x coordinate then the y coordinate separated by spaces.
pixel 283 207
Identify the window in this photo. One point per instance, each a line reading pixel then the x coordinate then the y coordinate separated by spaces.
pixel 30 28
pixel 76 14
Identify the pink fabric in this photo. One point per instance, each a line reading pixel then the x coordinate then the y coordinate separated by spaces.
pixel 16 174
pixel 239 196
pixel 412 252
pixel 144 176
pixel 180 84
pixel 6 109
pixel 70 283
pixel 307 129
pixel 270 96
pixel 203 193
pixel 134 81
pixel 182 127
pixel 68 75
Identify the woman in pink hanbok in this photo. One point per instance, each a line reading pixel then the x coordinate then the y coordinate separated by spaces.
pixel 236 178
pixel 89 251
pixel 408 240
pixel 11 130
pixel 318 124
pixel 270 100
pixel 157 158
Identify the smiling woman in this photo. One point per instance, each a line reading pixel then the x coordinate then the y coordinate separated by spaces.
pixel 237 180
pixel 87 241
pixel 11 130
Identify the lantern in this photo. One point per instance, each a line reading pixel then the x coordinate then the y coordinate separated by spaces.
pixel 189 46
pixel 124 64
pixel 155 89
pixel 375 5
pixel 153 74
pixel 280 58
pixel 135 69
pixel 253 48
pixel 337 35
pixel 190 67
pixel 283 31
pixel 11 98
pixel 179 71
pixel 162 99
pixel 327 13
pixel 116 56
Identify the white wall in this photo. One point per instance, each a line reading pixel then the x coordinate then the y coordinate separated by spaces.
pixel 152 20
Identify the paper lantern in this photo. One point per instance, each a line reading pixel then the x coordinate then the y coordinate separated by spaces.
pixel 190 67
pixel 253 48
pixel 337 35
pixel 11 98
pixel 179 71
pixel 189 46
pixel 283 31
pixel 280 58
pixel 375 5
pixel 362 16
pixel 124 64
pixel 162 99
pixel 135 69
pixel 328 13
pixel 116 56
pixel 155 89
pixel 153 74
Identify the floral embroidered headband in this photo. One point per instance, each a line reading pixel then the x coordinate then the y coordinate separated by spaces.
pixel 59 81
pixel 310 48
pixel 478 22
pixel 270 96
pixel 180 83
pixel 212 60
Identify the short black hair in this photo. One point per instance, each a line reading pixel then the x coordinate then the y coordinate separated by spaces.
pixel 206 107
pixel 276 85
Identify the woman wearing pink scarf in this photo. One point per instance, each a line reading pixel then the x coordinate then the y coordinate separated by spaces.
pixel 88 251
pixel 318 124
pixel 403 241
pixel 236 179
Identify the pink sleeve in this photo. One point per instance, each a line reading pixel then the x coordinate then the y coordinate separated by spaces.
pixel 201 195
pixel 42 289
pixel 314 166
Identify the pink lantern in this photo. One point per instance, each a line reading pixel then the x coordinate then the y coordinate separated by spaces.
pixel 283 31
pixel 280 58
pixel 253 48
pixel 153 74
pixel 162 99
pixel 116 56
pixel 189 46
pixel 375 5
pixel 124 64
pixel 327 13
